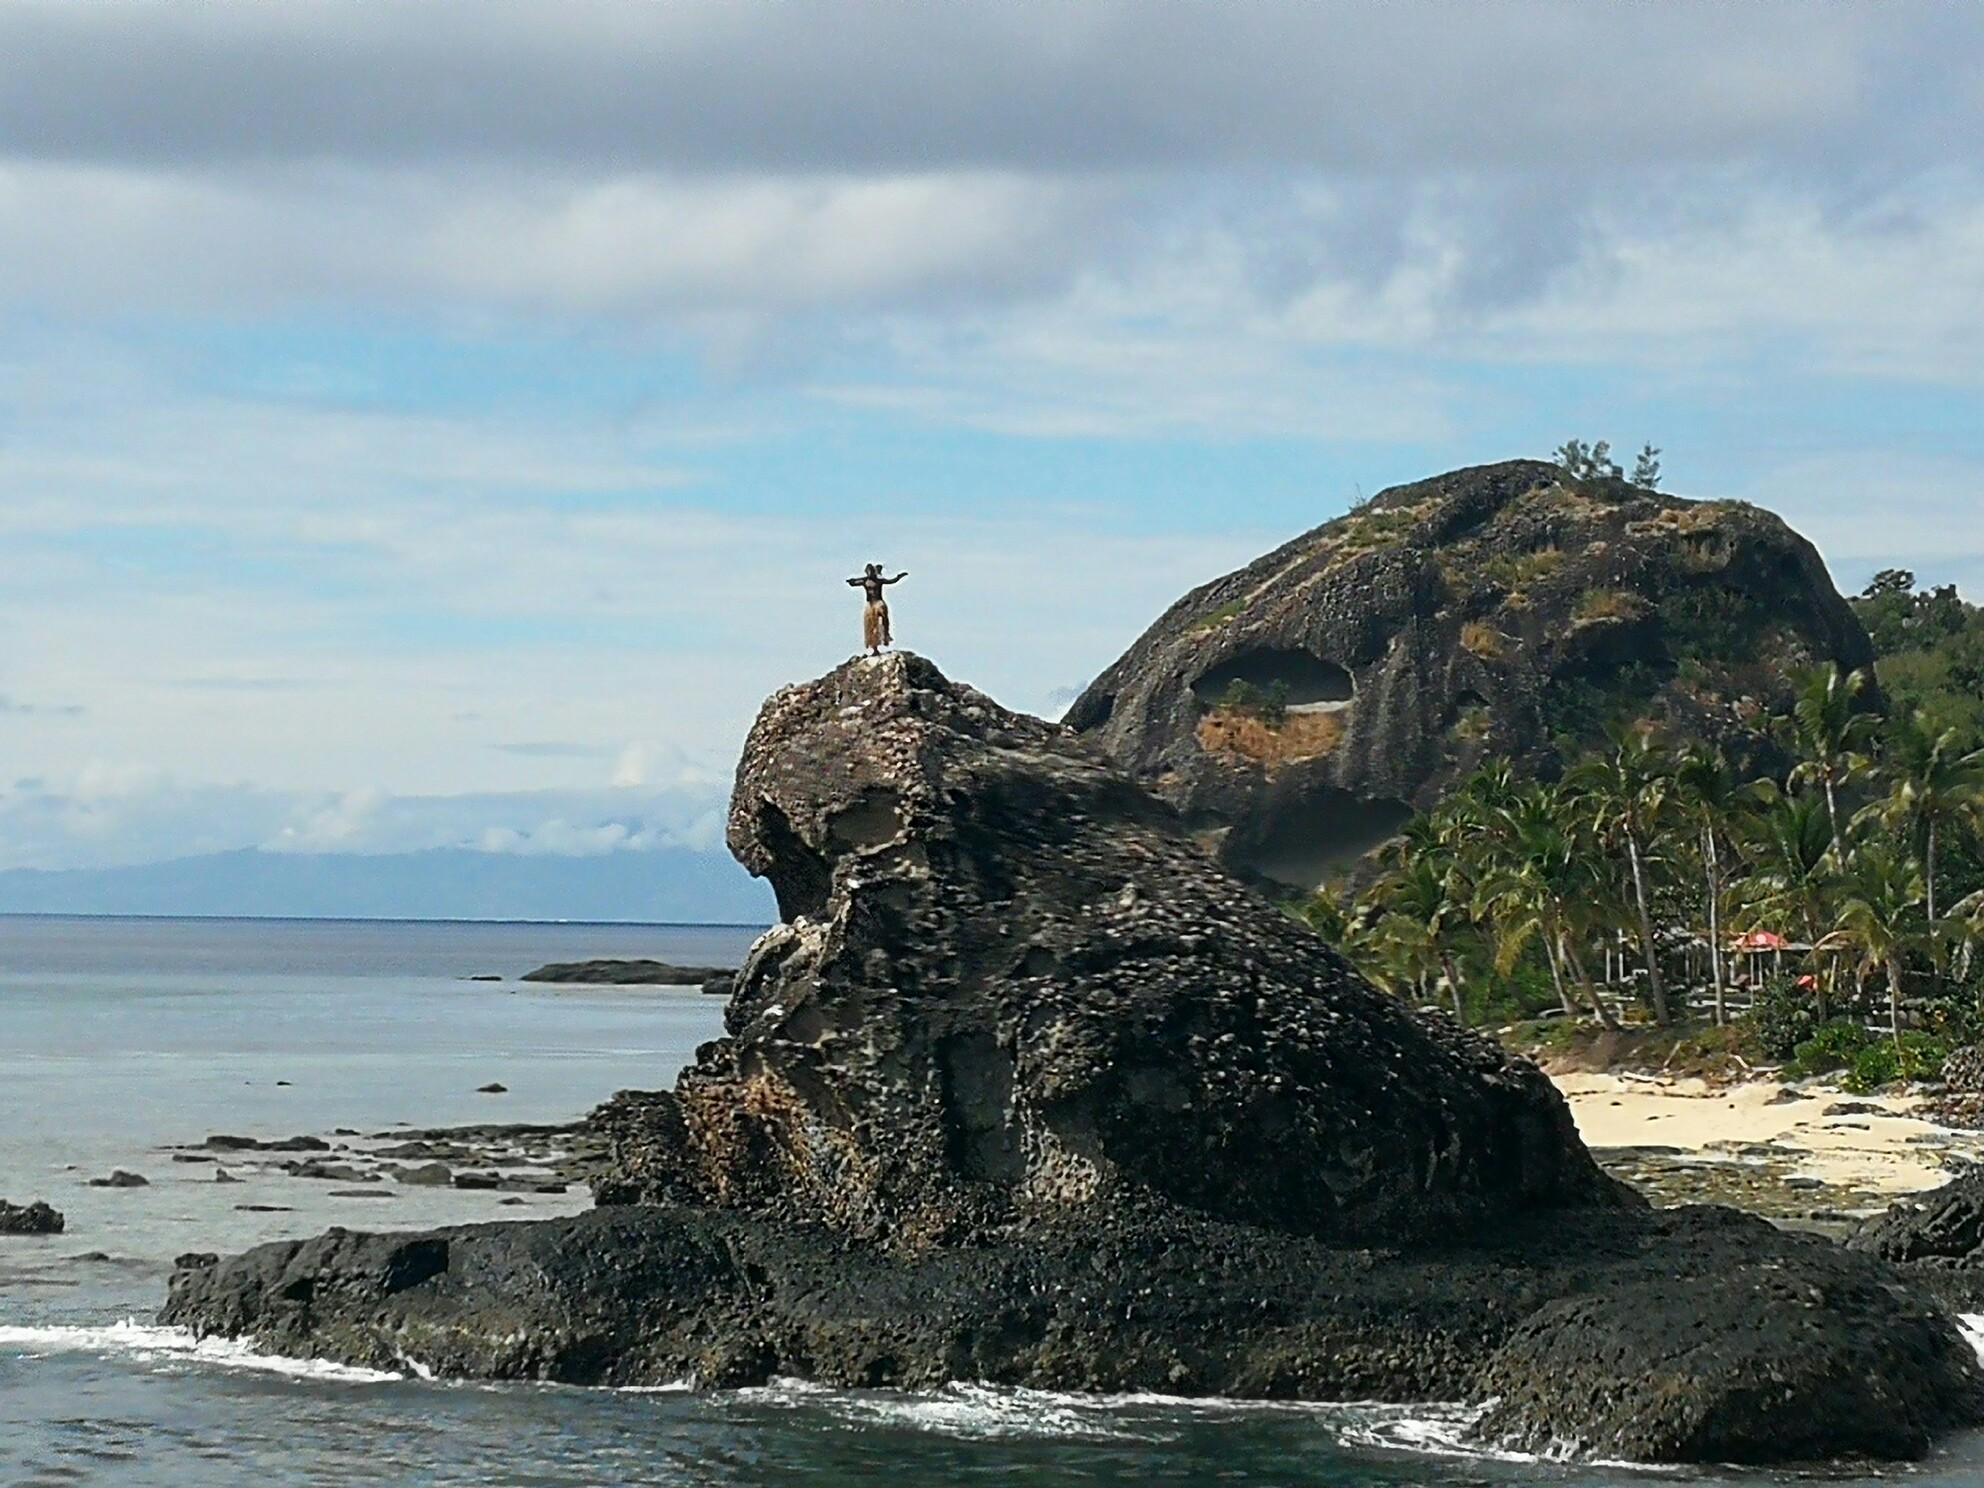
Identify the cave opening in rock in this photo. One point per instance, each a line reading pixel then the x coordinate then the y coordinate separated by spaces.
pixel 801 878
pixel 1304 679
pixel 1322 834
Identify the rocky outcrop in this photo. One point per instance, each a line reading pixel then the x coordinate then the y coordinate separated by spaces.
pixel 36 1218
pixel 1026 1090
pixel 1298 710
pixel 1943 1228
pixel 636 973
pixel 1643 1370
pixel 1008 985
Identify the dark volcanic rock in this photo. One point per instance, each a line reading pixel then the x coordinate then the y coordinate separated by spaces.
pixel 1944 1226
pixel 1634 1370
pixel 625 973
pixel 1027 1090
pixel 1691 1334
pixel 119 1178
pixel 1010 985
pixel 36 1218
pixel 1480 613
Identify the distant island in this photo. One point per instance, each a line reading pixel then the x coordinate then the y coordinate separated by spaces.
pixel 715 980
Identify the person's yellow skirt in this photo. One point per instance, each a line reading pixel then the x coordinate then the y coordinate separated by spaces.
pixel 875 625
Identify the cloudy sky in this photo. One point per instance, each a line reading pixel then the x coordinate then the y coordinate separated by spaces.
pixel 435 424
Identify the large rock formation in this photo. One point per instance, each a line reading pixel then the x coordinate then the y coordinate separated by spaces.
pixel 1007 983
pixel 1027 1090
pixel 1484 612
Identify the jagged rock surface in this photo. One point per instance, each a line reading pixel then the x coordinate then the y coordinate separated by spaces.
pixel 1008 984
pixel 36 1218
pixel 1028 1091
pixel 1483 612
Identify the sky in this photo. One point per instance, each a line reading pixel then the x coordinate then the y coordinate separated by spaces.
pixel 431 425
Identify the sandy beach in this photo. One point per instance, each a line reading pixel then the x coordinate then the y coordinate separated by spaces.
pixel 1813 1152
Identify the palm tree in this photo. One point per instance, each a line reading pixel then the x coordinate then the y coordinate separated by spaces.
pixel 1539 883
pixel 1626 794
pixel 1423 911
pixel 1934 784
pixel 1829 729
pixel 1789 841
pixel 1876 920
pixel 1713 797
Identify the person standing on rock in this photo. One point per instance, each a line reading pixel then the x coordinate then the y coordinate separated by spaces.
pixel 875 619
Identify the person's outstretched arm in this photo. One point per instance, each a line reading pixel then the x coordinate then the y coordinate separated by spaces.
pixel 854 583
pixel 898 578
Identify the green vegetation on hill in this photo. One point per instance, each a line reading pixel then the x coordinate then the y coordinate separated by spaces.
pixel 1620 892
pixel 1930 646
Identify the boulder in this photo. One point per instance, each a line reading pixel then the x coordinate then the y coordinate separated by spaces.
pixel 1299 710
pixel 1943 1227
pixel 1026 1089
pixel 1963 1071
pixel 36 1218
pixel 1790 1351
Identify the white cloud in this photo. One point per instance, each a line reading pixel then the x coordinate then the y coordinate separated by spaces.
pixel 103 816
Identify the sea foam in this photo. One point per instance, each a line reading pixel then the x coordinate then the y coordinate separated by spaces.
pixel 150 1344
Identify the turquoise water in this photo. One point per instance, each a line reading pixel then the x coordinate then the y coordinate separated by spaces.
pixel 120 1039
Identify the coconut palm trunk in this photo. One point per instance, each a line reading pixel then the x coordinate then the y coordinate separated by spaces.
pixel 1714 919
pixel 1557 978
pixel 1453 985
pixel 1894 998
pixel 1929 878
pixel 1653 978
pixel 1576 963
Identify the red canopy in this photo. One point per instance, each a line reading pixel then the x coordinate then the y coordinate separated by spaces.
pixel 1761 940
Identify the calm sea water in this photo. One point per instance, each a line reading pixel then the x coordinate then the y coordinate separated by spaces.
pixel 122 1038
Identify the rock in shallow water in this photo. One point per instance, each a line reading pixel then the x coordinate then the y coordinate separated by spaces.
pixel 36 1218
pixel 1027 1090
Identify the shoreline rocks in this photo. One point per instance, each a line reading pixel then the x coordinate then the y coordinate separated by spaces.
pixel 1027 1090
pixel 35 1218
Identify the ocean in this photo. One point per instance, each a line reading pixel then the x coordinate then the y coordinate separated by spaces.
pixel 121 1039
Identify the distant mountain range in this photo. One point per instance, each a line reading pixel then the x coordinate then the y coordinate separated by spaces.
pixel 674 885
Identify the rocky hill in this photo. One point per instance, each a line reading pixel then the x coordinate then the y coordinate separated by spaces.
pixel 1300 709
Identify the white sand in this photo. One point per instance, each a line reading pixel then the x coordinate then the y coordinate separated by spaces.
pixel 1867 1152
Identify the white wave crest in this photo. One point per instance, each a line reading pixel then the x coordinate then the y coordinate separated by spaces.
pixel 1971 1326
pixel 960 1410
pixel 150 1344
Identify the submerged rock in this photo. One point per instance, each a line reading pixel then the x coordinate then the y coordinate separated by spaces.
pixel 36 1218
pixel 1027 1090
pixel 1298 710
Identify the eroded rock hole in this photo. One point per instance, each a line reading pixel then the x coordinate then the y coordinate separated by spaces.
pixel 1322 834
pixel 415 1262
pixel 800 877
pixel 978 1095
pixel 875 818
pixel 1301 678
pixel 1090 711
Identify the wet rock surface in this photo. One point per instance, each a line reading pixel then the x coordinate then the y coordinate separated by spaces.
pixel 1479 613
pixel 1764 1358
pixel 1027 1090
pixel 34 1218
